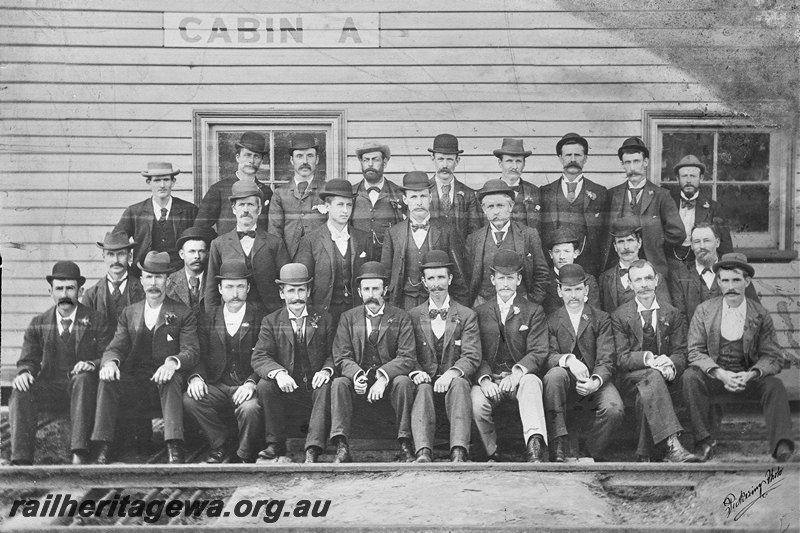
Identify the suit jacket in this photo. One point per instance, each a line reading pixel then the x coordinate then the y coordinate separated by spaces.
pixel 609 280
pixel 376 220
pixel 535 274
pixel 396 348
pixel 267 257
pixel 441 236
pixel 461 343
pixel 215 208
pixel 316 253
pixel 178 289
pixel 466 212
pixel 759 339
pixel 705 210
pixel 96 296
pixel 92 333
pixel 527 206
pixel 595 340
pixel 659 219
pixel 292 215
pixel 525 334
pixel 686 288
pixel 553 301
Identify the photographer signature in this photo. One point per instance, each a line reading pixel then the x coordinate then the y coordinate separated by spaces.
pixel 747 498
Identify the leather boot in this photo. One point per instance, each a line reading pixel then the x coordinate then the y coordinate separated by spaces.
pixel 103 453
pixel 424 456
pixel 537 449
pixel 312 454
pixel 676 453
pixel 458 454
pixel 560 448
pixel 79 457
pixel 342 451
pixel 271 452
pixel 175 451
pixel 406 454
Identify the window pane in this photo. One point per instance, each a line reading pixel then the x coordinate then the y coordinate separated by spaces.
pixel 226 143
pixel 677 145
pixel 743 157
pixel 283 168
pixel 745 208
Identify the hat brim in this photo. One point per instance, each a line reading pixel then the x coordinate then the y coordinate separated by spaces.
pixel 116 247
pixel 252 148
pixel 180 242
pixel 372 276
pixel 294 281
pixel 81 279
pixel 322 195
pixel 634 148
pixel 734 264
pixel 382 149
pixel 506 271
pixel 433 151
pixel 626 233
pixel 701 166
pixel 155 174
pixel 572 140
pixel 240 196
pixel 246 276
pixel 571 282
pixel 435 265
pixel 501 152
pixel 166 270
pixel 482 195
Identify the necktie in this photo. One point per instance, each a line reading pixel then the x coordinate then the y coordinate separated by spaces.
pixel 687 204
pixel 65 324
pixel 623 272
pixel 498 237
pixel 163 215
pixel 705 271
pixel 635 193
pixel 301 187
pixel 445 197
pixel 516 189
pixel 242 234
pixel 433 313
pixel 373 189
pixel 299 328
pixel 647 315
pixel 375 322
pixel 571 187
pixel 116 292
pixel 416 227
pixel 194 289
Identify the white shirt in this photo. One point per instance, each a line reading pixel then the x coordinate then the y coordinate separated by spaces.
pixel 370 314
pixel 71 317
pixel 708 277
pixel 625 280
pixel 122 285
pixel 233 321
pixel 732 326
pixel 654 308
pixel 452 184
pixel 438 323
pixel 340 238
pixel 151 315
pixel 687 216
pixel 574 318
pixel 639 188
pixel 505 307
pixel 246 242
pixel 295 320
pixel 157 208
pixel 189 279
pixel 578 189
pixel 505 229
pixel 373 195
pixel 420 234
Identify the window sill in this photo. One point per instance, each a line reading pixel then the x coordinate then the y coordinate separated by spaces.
pixel 768 255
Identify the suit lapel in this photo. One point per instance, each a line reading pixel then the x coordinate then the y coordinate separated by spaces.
pixel 258 243
pixel 450 325
pixel 137 322
pixel 219 326
pixel 182 286
pixel 102 297
pixel 79 329
pixel 519 241
pixel 715 331
pixel 583 323
pixel 425 324
pixel 750 329
pixel 50 331
pixel 433 235
pixel 287 330
pixel 663 326
pixel 148 215
pixel 635 324
pixel 565 325
pixel 161 321
pixel 647 196
pixel 360 332
pixel 309 330
pixel 480 244
pixel 327 242
pixel 175 214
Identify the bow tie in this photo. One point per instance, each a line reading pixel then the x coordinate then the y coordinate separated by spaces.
pixel 687 204
pixel 243 234
pixel 516 188
pixel 377 190
pixel 433 313
pixel 416 227
pixel 623 272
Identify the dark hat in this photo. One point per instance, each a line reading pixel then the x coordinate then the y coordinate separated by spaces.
pixel 66 270
pixel 444 143
pixel 293 274
pixel 415 181
pixel 233 269
pixel 506 262
pixel 372 270
pixel 156 263
pixel 245 189
pixel 374 146
pixel 512 147
pixel 572 138
pixel 570 275
pixel 116 240
pixel 336 187
pixel 734 260
pixel 496 186
pixel 196 234
pixel 435 259
pixel 303 141
pixel 690 161
pixel 159 168
pixel 253 141
pixel 562 235
pixel 622 227
pixel 633 144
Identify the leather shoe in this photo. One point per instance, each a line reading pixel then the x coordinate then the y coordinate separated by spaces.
pixel 424 456
pixel 175 451
pixel 559 454
pixel 406 454
pixel 79 457
pixel 537 449
pixel 676 453
pixel 312 454
pixel 216 455
pixel 458 454
pixel 498 457
pixel 271 452
pixel 103 453
pixel 784 451
pixel 705 449
pixel 643 459
pixel 342 451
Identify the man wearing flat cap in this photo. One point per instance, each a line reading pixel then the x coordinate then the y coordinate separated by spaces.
pixel 335 252
pixel 407 241
pixel 515 345
pixel 156 223
pixel 294 364
pixel 263 253
pixel 224 382
pixel 57 366
pixel 501 232
pixel 564 249
pixel 733 351
pixel 378 202
pixel 251 149
pixel 576 203
pixel 374 351
pixel 146 363
pixel 648 204
pixel 527 204
pixel 118 289
pixel 296 208
pixel 188 285
pixel 451 200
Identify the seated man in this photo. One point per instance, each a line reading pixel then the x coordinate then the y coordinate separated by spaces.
pixel 733 350
pixel 515 343
pixel 564 248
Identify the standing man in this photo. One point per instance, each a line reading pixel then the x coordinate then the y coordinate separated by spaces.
pixel 250 152
pixel 407 241
pixel 576 203
pixel 448 354
pixel 188 285
pixel 564 249
pixel 117 289
pixel 515 345
pixel 374 352
pixel 296 207
pixel 61 351
pixel 511 160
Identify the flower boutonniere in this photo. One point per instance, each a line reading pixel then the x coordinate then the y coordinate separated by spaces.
pixel 85 322
pixel 169 318
pixel 245 325
pixel 395 204
pixel 390 321
pixel 313 319
pixel 591 195
pixel 650 193
pixel 706 205
pixel 537 208
pixel 585 316
pixel 666 324
pixel 515 310
pixel 460 193
pixel 322 208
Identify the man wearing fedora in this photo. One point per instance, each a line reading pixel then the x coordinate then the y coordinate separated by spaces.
pixel 293 361
pixel 251 148
pixel 145 364
pixel 527 204
pixel 263 253
pixel 576 203
pixel 118 289
pixel 378 202
pixel 374 351
pixel 58 363
pixel 650 205
pixel 733 351
pixel 448 354
pixel 515 348
pixel 224 382
pixel 406 242
pixel 296 206
pixel 451 200
pixel 335 252
pixel 564 248
pixel 501 232
pixel 157 222
pixel 580 368
pixel 188 284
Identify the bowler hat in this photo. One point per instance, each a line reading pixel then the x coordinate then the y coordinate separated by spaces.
pixel 303 141
pixel 572 138
pixel 374 146
pixel 196 234
pixel 734 260
pixel 337 187
pixel 511 147
pixel 156 263
pixel 372 270
pixel 66 270
pixel 415 181
pixel 570 275
pixel 633 144
pixel 506 262
pixel 444 143
pixel 116 240
pixel 159 168
pixel 293 274
pixel 563 235
pixel 435 259
pixel 245 189
pixel 253 141
pixel 233 269
pixel 496 186
pixel 690 161
pixel 622 227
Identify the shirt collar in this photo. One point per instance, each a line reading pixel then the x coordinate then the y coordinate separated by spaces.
pixel 157 208
pixel 640 307
pixel 189 276
pixel 505 228
pixel 335 233
pixel 254 228
pixel 298 178
pixel 578 180
pixel 440 184
pixel 123 280
pixel 427 220
pixel 303 313
pixel 71 316
pixel 638 187
pixel 692 198
pixel 230 314
pixel 379 185
pixel 504 305
pixel 700 268
pixel 379 313
pixel 445 305
pixel 738 309
pixel 575 313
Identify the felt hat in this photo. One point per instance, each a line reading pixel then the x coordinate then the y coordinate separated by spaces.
pixel 116 240
pixel 159 168
pixel 445 143
pixel 435 259
pixel 303 141
pixel 244 189
pixel 506 262
pixel 253 141
pixel 571 275
pixel 622 227
pixel 496 186
pixel 511 147
pixel 156 263
pixel 336 187
pixel 415 181
pixel 66 270
pixel 690 161
pixel 373 146
pixel 372 270
pixel 734 260
pixel 233 269
pixel 633 144
pixel 572 138
pixel 293 274
pixel 196 234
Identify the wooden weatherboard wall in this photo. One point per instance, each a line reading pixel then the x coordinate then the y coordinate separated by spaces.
pixel 90 94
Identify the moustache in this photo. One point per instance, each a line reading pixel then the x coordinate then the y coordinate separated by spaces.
pixel 305 166
pixel 573 164
pixel 118 265
pixel 437 288
pixel 153 290
pixel 371 300
pixel 731 291
pixel 297 301
pixel 444 171
pixel 65 300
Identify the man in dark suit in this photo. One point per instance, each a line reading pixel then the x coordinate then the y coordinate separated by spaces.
pixel 451 200
pixel 118 289
pixel 296 208
pixel 263 253
pixel 448 354
pixel 293 360
pixel 515 345
pixel 224 382
pixel 497 202
pixel 156 223
pixel 335 252
pixel 576 203
pixel 406 242
pixel 61 351
pixel 580 368
pixel 188 285
pixel 650 205
pixel 564 249
pixel 145 364
pixel 651 355
pixel 373 350
pixel 527 205
pixel 251 148
pixel 733 350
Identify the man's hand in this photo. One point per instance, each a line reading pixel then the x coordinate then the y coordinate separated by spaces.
pixel 578 369
pixel 109 372
pixel 360 384
pixel 587 387
pixel 23 382
pixel 320 378
pixel 285 382
pixel 165 372
pixel 377 389
pixel 197 388
pixel 443 383
pixel 744 377
pixel 244 392
pixel 511 381
pixel 420 378
pixel 490 389
pixel 664 364
pixel 730 380
pixel 82 366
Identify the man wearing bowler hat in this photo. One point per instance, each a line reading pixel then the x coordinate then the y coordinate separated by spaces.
pixel 407 241
pixel 188 284
pixel 335 252
pixel 58 363
pixel 263 253
pixel 564 248
pixel 156 223
pixel 296 206
pixel 451 200
pixel 118 289
pixel 576 203
pixel 294 364
pixel 527 205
